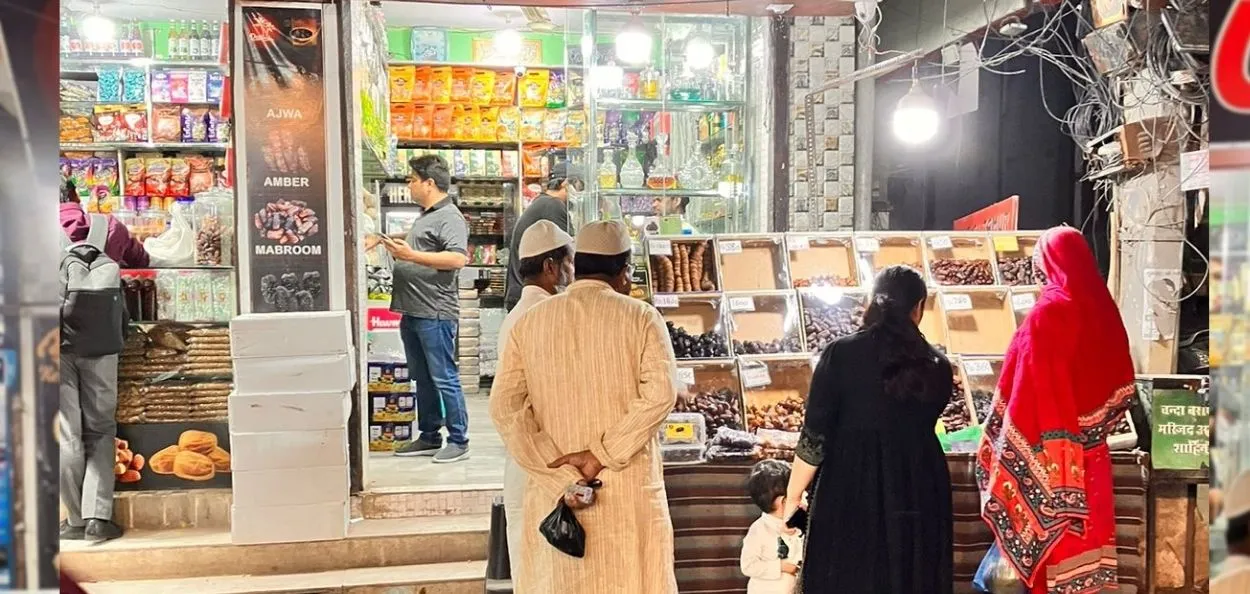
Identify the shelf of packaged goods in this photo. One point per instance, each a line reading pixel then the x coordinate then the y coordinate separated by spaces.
pixel 678 192
pixel 468 179
pixel 482 65
pixel 144 146
pixel 198 324
pixel 86 63
pixel 668 105
pixel 457 144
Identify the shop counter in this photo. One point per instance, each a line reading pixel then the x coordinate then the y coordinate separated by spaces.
pixel 711 513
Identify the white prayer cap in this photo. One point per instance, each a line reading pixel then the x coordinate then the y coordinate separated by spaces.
pixel 603 238
pixel 1237 501
pixel 542 237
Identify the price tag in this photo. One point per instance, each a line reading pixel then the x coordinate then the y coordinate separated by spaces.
pixel 660 247
pixel 956 302
pixel 664 300
pixel 798 243
pixel 379 403
pixel 978 368
pixel 741 304
pixel 1006 243
pixel 941 242
pixel 1023 301
pixel 731 247
pixel 685 375
pixel 679 432
pixel 756 376
pixel 868 245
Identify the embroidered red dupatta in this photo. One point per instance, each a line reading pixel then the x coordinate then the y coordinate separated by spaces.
pixel 1043 466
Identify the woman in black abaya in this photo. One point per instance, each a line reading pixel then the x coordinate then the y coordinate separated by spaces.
pixel 879 514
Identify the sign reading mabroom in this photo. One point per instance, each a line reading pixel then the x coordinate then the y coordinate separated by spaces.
pixel 283 100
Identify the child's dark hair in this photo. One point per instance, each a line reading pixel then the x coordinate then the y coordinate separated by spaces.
pixel 768 481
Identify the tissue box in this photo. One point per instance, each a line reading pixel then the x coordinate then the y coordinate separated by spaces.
pixel 279 450
pixel 290 334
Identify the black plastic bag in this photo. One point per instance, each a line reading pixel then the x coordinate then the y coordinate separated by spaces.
pixel 563 531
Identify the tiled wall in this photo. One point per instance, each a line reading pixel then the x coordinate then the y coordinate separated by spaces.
pixel 822 48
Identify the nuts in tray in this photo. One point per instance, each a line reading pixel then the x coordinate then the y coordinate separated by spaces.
pixel 1019 270
pixel 720 408
pixel 824 280
pixel 786 415
pixel 825 322
pixel 982 400
pixel 286 221
pixel 709 345
pixel 950 271
pixel 789 344
pixel 955 416
pixel 688 270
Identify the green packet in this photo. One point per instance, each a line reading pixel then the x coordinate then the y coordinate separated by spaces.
pixel 964 440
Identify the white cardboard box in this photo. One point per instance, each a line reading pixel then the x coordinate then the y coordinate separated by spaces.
pixel 288 523
pixel 292 486
pixel 280 450
pixel 307 373
pixel 289 411
pixel 290 334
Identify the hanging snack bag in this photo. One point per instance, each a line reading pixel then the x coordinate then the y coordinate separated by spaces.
pixel 135 177
pixel 440 85
pixel 197 86
pixel 420 85
pixel 402 120
pixel 109 89
pixel 534 86
pixel 482 87
pixel 107 124
pixel 194 124
pixel 157 177
pixel 422 121
pixel 532 125
pixel 443 120
pixel 553 126
pixel 556 91
pixel 179 177
pixel 178 83
pixel 135 123
pixel 488 125
pixel 576 90
pixel 166 123
pixel 403 83
pixel 200 176
pixel 461 82
pixel 575 128
pixel 134 85
pixel 162 92
pixel 509 127
pixel 505 89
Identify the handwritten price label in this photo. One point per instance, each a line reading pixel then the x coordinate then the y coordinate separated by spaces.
pixel 941 242
pixel 978 368
pixel 1023 301
pixel 756 376
pixel 664 300
pixel 731 247
pixel 660 247
pixel 868 245
pixel 685 376
pixel 956 302
pixel 741 304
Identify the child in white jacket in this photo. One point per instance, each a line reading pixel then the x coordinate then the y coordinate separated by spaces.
pixel 771 553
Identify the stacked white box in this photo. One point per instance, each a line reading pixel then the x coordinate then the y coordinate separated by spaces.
pixel 466 355
pixel 293 376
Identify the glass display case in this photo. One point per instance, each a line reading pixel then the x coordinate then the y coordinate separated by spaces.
pixel 1014 255
pixel 755 262
pixel 822 260
pixel 764 322
pixel 695 324
pixel 960 260
pixel 682 264
pixel 713 389
pixel 667 124
pixel 775 389
pixel 830 314
pixel 979 320
pixel 878 251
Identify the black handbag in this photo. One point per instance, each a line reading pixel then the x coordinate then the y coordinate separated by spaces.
pixel 563 531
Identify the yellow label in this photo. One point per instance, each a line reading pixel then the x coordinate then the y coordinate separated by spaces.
pixel 678 431
pixel 941 429
pixel 1006 243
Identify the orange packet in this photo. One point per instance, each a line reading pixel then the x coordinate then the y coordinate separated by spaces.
pixel 505 89
pixel 440 85
pixel 508 126
pixel 403 81
pixel 421 85
pixel 444 116
pixel 534 88
pixel 401 121
pixel 461 80
pixel 470 121
pixel 422 122
pixel 488 125
pixel 482 87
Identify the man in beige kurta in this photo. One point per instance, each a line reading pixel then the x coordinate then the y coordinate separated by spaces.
pixel 585 381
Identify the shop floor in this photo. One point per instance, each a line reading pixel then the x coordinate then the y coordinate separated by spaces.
pixel 483 470
pixel 437 578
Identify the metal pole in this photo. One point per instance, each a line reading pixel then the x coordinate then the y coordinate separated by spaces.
pixel 865 114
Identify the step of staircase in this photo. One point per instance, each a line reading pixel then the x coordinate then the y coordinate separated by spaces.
pixel 208 552
pixel 465 577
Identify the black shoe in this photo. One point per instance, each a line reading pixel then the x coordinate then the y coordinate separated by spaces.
pixel 102 530
pixel 69 532
pixel 418 447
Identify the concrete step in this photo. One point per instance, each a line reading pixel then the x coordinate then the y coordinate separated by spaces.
pixel 466 577
pixel 419 503
pixel 207 552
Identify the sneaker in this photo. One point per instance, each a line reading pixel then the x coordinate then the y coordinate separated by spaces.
pixel 102 530
pixel 452 453
pixel 417 447
pixel 69 532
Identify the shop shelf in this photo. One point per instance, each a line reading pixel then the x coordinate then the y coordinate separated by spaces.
pixel 765 322
pixel 877 251
pixel 822 260
pixel 665 249
pixel 1014 254
pixel 663 105
pixel 980 378
pixel 87 64
pixel 650 192
pixel 979 320
pixel 753 262
pixel 960 259
pixel 146 146
pixel 458 144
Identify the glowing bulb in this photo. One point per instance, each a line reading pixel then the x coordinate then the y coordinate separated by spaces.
pixel 699 53
pixel 633 44
pixel 916 118
pixel 98 28
pixel 588 48
pixel 507 43
pixel 607 77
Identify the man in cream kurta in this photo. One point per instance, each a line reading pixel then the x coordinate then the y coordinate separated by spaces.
pixel 546 266
pixel 586 380
pixel 1234 577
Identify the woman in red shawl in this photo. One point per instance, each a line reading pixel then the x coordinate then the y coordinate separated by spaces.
pixel 1043 466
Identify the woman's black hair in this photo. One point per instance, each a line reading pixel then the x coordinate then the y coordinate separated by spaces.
pixel 534 266
pixel 908 362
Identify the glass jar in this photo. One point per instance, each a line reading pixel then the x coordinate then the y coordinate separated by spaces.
pixel 212 218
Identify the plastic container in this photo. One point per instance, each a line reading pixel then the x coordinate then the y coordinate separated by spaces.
pixel 822 260
pixel 877 251
pixel 682 454
pixel 933 322
pixel 775 391
pixel 978 321
pixel 830 314
pixel 683 429
pixel 1023 299
pixel 764 322
pixel 960 260
pixel 753 262
pixel 981 378
pixel 212 218
pixel 695 324
pixel 681 264
pixel 711 389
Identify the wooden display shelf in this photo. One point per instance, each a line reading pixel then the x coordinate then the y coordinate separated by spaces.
pixel 822 259
pixel 814 298
pixel 877 251
pixel 765 317
pixel 1009 245
pixel 978 320
pixel 754 262
pixel 696 313
pixel 963 247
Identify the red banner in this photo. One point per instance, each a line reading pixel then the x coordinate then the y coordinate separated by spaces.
pixel 1000 216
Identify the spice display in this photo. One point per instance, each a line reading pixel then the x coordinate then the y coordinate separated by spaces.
pixel 688 268
pixel 720 408
pixel 783 415
pixel 827 318
pixel 790 344
pixel 286 221
pixel 709 345
pixel 960 272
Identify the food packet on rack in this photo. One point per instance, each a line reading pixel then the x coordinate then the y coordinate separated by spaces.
pixel 200 176
pixel 194 124
pixel 136 171
pixel 534 87
pixel 104 176
pixel 156 178
pixel 403 81
pixel 135 124
pixel 505 89
pixel 440 85
pixel 109 89
pixel 179 177
pixel 107 124
pixel 734 439
pixel 420 86
pixel 509 127
pixel 482 87
pixel 532 125
pixel 166 123
pixel 557 97
pixel 134 85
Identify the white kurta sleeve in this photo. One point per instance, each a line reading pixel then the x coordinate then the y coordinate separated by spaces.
pixel 759 555
pixel 657 394
pixel 530 446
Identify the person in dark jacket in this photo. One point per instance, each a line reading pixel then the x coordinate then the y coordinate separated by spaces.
pixel 127 251
pixel 551 205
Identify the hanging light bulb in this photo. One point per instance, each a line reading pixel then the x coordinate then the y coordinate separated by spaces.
pixel 507 43
pixel 98 28
pixel 633 43
pixel 699 52
pixel 916 118
pixel 588 48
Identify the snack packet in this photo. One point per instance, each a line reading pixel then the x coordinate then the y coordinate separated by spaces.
pixel 166 123
pixel 534 87
pixel 556 91
pixel 482 87
pixel 440 85
pixel 509 127
pixel 136 175
pixel 422 122
pixel 420 85
pixel 444 115
pixel 460 82
pixel 505 89
pixel 553 126
pixel 179 177
pixel 488 124
pixel 194 124
pixel 162 90
pixel 156 177
pixel 532 125
pixel 134 85
pixel 403 82
pixel 200 176
pixel 401 121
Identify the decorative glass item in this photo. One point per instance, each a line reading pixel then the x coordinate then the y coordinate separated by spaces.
pixel 632 175
pixel 686 88
pixel 662 176
pixel 731 174
pixel 650 84
pixel 696 174
pixel 607 171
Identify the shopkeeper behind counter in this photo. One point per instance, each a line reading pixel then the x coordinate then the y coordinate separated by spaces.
pixel 551 205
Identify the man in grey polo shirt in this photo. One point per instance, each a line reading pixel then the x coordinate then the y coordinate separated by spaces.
pixel 426 292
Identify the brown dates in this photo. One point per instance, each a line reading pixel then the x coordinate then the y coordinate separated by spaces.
pixel 949 271
pixel 786 415
pixel 1019 270
pixel 720 408
pixel 826 322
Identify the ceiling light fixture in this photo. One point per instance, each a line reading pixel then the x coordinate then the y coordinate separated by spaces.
pixel 96 27
pixel 633 43
pixel 916 118
pixel 699 52
pixel 507 43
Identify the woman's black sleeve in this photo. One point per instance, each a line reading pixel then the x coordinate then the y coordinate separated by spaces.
pixel 822 409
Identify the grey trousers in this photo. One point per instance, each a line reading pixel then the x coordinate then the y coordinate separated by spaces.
pixel 88 426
